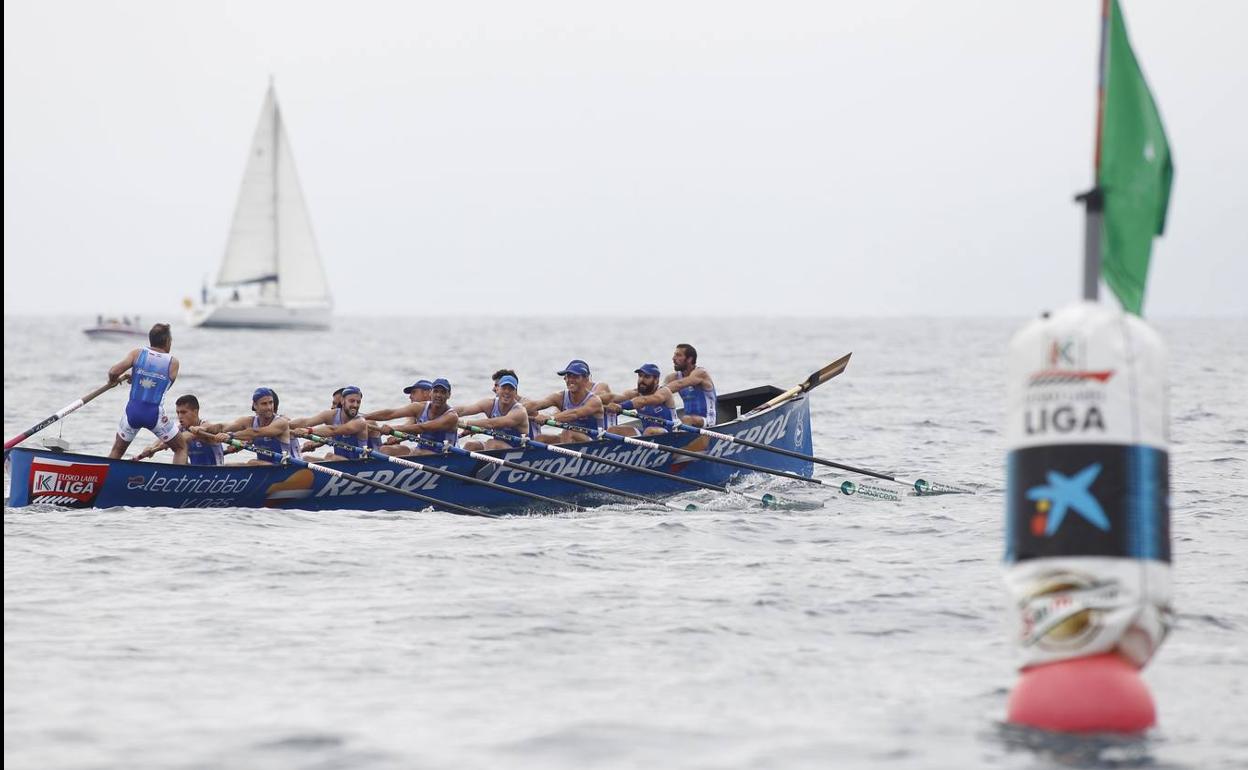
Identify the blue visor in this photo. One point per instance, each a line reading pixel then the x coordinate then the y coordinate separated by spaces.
pixel 507 379
pixel 650 370
pixel 351 390
pixel 260 393
pixel 575 367
pixel 442 383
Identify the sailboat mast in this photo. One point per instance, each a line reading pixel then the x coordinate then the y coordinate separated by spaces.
pixel 1094 199
pixel 277 211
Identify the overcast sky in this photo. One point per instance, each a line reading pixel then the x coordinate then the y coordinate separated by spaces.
pixel 825 158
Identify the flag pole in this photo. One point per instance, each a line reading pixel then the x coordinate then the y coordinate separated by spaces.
pixel 1094 200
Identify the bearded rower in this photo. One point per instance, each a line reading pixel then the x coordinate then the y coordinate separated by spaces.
pixel 342 423
pixel 198 451
pixel 152 370
pixel 694 385
pixel 503 413
pixel 577 405
pixel 265 429
pixel 432 419
pixel 649 398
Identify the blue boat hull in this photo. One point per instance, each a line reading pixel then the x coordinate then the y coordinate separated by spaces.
pixel 88 481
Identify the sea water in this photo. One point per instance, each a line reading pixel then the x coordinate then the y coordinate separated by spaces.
pixel 861 634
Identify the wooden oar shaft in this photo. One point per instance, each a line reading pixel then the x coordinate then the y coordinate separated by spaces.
pixel 810 383
pixel 32 430
pixel 447 446
pixel 369 452
pixel 285 458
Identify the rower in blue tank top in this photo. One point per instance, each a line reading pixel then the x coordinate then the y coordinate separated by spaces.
pixel 597 388
pixel 503 414
pixel 432 420
pixel 152 370
pixel 342 424
pixel 264 429
pixel 578 406
pixel 649 398
pixel 199 451
pixel 695 387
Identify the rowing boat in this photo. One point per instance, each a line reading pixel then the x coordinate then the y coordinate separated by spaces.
pixel 89 481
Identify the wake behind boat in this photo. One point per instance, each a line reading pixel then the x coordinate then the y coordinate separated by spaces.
pixel 271 276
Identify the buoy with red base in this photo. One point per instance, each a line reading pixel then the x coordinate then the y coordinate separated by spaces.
pixel 1087 524
pixel 1097 694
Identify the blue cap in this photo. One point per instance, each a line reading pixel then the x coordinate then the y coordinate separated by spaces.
pixel 442 383
pixel 352 390
pixel 507 379
pixel 419 385
pixel 575 366
pixel 260 393
pixel 650 370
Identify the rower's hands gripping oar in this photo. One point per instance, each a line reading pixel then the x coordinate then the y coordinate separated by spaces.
pixel 767 500
pixel 920 486
pixel 470 480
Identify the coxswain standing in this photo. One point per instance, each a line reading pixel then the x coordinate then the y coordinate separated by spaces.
pixel 152 370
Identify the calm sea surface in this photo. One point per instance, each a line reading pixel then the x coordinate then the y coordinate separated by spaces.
pixel 863 634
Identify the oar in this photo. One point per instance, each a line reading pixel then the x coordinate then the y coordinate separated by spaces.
pixel 602 433
pixel 61 413
pixel 767 500
pixel 447 446
pixel 285 459
pixel 369 452
pixel 810 383
pixel 922 486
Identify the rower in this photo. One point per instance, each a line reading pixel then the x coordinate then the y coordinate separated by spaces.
pixel 265 429
pixel 343 423
pixel 420 390
pixel 648 398
pixel 503 413
pixel 434 419
pixel 152 370
pixel 577 405
pixel 694 385
pixel 198 451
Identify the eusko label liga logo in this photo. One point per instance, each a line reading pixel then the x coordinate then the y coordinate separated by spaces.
pixel 73 485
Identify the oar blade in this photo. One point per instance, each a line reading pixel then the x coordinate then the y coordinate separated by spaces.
pixel 826 373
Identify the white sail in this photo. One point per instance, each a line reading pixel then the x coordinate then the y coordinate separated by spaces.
pixel 271 235
pixel 301 275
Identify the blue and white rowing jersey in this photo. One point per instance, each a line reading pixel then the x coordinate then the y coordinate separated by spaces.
pixel 149 380
pixel 353 440
pixel 273 443
pixel 439 436
pixel 496 412
pixel 609 419
pixel 593 422
pixel 149 377
pixel 662 411
pixel 204 452
pixel 700 403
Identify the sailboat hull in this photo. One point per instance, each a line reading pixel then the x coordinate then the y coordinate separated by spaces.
pixel 257 316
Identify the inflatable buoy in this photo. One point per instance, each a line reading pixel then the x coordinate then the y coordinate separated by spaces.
pixel 1087 556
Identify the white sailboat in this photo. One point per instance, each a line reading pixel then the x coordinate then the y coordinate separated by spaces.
pixel 271 276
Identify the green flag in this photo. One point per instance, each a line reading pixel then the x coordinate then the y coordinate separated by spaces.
pixel 1135 170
